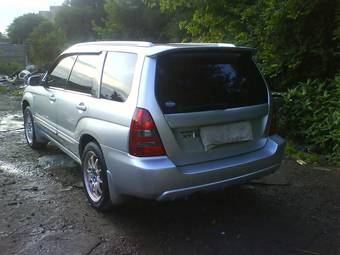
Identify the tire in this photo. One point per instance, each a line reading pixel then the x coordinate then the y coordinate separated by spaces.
pixel 29 128
pixel 95 178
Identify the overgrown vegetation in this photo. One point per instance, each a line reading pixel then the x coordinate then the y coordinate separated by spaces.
pixel 297 41
pixel 16 92
pixel 22 26
pixel 9 68
pixel 77 17
pixel 45 43
pixel 294 38
pixel 310 115
pixel 3 90
pixel 135 20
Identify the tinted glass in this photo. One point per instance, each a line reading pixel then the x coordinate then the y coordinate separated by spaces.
pixel 61 72
pixel 84 74
pixel 117 76
pixel 190 82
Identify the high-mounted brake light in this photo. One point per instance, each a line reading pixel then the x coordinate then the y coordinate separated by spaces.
pixel 144 138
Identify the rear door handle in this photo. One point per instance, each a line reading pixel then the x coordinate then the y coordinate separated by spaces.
pixel 81 107
pixel 52 98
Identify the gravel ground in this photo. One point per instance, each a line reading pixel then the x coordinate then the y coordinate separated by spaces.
pixel 44 210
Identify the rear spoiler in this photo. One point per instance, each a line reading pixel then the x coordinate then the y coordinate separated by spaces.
pixel 245 50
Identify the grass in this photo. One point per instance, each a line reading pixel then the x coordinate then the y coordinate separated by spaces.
pixel 301 157
pixel 11 92
pixel 16 93
pixel 3 90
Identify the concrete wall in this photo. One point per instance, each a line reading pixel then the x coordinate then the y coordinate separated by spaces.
pixel 13 53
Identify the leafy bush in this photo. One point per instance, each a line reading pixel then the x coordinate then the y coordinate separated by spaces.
pixel 8 68
pixel 310 114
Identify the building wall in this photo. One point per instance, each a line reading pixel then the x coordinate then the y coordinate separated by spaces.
pixel 51 14
pixel 45 14
pixel 54 11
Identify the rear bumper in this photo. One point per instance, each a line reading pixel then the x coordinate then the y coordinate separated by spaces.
pixel 172 194
pixel 158 178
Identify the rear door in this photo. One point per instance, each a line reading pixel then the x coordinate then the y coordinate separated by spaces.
pixel 214 104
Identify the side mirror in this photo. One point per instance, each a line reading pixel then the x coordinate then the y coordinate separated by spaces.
pixel 34 80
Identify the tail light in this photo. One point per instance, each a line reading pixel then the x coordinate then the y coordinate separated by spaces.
pixel 144 138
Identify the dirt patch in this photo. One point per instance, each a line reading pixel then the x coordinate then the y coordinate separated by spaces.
pixel 44 210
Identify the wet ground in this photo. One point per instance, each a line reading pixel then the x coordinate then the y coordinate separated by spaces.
pixel 44 210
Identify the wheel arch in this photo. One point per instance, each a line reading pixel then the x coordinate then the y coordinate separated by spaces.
pixel 84 140
pixel 25 103
pixel 27 100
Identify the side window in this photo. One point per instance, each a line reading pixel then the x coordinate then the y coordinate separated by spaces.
pixel 117 75
pixel 84 75
pixel 60 74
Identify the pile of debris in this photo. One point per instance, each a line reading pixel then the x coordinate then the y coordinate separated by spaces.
pixel 20 77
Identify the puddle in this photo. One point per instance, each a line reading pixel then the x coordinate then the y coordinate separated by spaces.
pixel 56 161
pixel 24 169
pixel 11 122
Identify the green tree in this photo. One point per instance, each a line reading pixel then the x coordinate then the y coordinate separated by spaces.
pixel 22 26
pixel 137 20
pixel 296 39
pixel 45 43
pixel 77 17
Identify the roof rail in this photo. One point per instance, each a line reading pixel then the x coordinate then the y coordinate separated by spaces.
pixel 204 44
pixel 119 43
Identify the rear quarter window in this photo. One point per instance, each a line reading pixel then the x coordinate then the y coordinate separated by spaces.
pixel 203 81
pixel 118 75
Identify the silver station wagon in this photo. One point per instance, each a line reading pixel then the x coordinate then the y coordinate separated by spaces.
pixel 155 121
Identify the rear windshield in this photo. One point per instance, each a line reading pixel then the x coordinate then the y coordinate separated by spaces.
pixel 193 81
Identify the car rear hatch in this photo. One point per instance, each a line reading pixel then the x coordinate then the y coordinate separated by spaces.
pixel 214 101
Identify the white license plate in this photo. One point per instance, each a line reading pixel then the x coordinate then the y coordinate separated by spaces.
pixel 213 136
